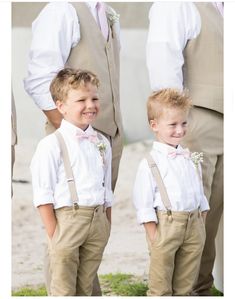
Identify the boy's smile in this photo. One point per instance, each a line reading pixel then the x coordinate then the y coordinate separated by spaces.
pixel 171 126
pixel 81 106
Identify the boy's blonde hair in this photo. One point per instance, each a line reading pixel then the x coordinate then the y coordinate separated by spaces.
pixel 68 79
pixel 167 98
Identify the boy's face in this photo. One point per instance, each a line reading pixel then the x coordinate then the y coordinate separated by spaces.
pixel 171 126
pixel 81 106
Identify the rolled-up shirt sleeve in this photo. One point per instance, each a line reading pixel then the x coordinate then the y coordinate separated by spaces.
pixel 143 194
pixel 171 25
pixel 54 32
pixel 44 168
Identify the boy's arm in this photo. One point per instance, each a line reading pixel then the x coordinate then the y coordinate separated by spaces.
pixel 150 228
pixel 48 218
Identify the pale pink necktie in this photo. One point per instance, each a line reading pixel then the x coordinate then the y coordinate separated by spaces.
pixel 103 23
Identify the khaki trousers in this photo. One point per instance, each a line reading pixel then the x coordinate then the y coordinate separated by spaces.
pixel 175 253
pixel 76 249
pixel 117 146
pixel 206 135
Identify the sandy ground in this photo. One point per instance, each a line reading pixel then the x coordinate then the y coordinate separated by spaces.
pixel 126 251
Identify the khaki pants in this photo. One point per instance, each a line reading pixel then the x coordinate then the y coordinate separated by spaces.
pixel 76 249
pixel 175 253
pixel 206 135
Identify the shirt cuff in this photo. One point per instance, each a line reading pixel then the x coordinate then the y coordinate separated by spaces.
pixel 109 197
pixel 42 197
pixel 146 215
pixel 204 204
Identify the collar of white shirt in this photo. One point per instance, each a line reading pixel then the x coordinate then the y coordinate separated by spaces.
pixel 91 4
pixel 74 131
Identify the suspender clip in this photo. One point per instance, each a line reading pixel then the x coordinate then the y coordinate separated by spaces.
pixel 75 206
pixel 169 213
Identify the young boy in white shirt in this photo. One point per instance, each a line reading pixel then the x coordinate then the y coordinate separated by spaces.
pixel 71 178
pixel 169 198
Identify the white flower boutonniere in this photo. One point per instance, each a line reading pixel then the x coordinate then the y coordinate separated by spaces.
pixel 197 158
pixel 102 148
pixel 113 17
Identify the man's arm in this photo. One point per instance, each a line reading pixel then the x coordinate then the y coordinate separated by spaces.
pixel 171 25
pixel 54 116
pixel 48 218
pixel 54 32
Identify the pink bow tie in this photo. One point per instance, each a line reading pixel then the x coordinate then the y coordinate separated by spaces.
pixel 83 135
pixel 185 152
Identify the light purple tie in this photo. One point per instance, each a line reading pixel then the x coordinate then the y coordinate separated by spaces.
pixel 103 23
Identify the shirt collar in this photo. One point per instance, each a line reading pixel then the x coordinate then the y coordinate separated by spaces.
pixel 73 130
pixel 91 4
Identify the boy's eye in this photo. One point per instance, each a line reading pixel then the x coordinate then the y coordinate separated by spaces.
pixel 95 99
pixel 185 123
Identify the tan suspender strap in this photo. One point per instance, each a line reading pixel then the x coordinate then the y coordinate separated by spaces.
pixel 68 168
pixel 162 189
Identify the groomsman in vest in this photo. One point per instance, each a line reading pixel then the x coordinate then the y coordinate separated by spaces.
pixel 82 35
pixel 185 50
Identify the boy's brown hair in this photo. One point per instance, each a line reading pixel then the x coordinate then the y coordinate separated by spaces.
pixel 167 98
pixel 68 79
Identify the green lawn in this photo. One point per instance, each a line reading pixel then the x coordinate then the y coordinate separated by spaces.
pixel 112 285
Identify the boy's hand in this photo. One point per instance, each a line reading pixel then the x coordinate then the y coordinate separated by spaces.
pixel 48 218
pixel 151 230
pixel 204 213
pixel 108 213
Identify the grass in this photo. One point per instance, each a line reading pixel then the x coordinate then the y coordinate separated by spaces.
pixel 112 285
pixel 122 285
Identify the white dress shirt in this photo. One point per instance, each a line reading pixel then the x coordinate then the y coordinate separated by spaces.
pixel 92 176
pixel 55 32
pixel 172 24
pixel 180 177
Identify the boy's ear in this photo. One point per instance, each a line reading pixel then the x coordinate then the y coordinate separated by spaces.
pixel 60 107
pixel 154 125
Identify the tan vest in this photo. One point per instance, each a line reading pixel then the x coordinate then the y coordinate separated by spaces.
pixel 203 68
pixel 95 54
